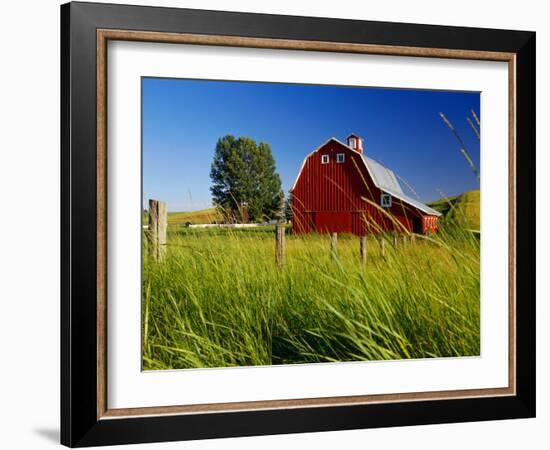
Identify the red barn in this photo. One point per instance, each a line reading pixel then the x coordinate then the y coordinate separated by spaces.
pixel 340 189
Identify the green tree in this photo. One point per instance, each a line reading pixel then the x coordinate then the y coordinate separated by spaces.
pixel 288 208
pixel 245 182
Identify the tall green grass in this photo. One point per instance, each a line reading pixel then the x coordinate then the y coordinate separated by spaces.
pixel 220 300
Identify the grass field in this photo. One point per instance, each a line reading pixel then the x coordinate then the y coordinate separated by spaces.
pixel 220 300
pixel 210 215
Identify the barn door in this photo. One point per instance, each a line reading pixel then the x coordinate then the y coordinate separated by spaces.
pixel 417 225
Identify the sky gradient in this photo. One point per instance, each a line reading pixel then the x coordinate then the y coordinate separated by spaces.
pixel 183 119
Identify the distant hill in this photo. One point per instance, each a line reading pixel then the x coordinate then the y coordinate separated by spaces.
pixel 210 215
pixel 463 207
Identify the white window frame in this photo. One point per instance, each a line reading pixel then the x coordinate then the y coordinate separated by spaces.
pixel 385 200
pixel 325 159
pixel 352 142
pixel 340 158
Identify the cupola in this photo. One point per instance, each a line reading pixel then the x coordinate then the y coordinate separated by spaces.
pixel 355 142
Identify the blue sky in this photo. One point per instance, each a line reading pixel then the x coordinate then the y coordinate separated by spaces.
pixel 183 119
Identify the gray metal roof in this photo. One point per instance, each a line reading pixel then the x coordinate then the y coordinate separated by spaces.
pixel 383 177
pixel 385 180
pixel 411 201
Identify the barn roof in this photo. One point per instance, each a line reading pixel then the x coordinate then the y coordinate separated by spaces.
pixel 411 201
pixel 383 178
pixel 386 181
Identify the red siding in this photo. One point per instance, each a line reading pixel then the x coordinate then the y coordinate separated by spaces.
pixel 331 198
pixel 329 221
pixel 429 224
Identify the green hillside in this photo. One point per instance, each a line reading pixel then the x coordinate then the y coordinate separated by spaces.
pixel 464 208
pixel 210 215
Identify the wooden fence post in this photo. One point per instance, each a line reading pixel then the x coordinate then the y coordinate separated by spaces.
pixel 413 238
pixel 382 247
pixel 333 245
pixel 363 249
pixel 158 223
pixel 280 244
pixel 395 240
pixel 405 240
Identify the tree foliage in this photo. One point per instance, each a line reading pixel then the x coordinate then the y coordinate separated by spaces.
pixel 288 213
pixel 245 183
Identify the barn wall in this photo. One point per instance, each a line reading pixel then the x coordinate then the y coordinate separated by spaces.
pixel 430 224
pixel 330 198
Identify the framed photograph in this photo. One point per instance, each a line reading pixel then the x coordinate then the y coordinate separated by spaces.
pixel 276 224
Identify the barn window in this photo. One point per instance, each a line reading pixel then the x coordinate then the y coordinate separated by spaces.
pixel 385 200
pixel 352 142
pixel 324 159
pixel 340 158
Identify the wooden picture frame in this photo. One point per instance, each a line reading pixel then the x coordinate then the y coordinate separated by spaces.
pixel 85 416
